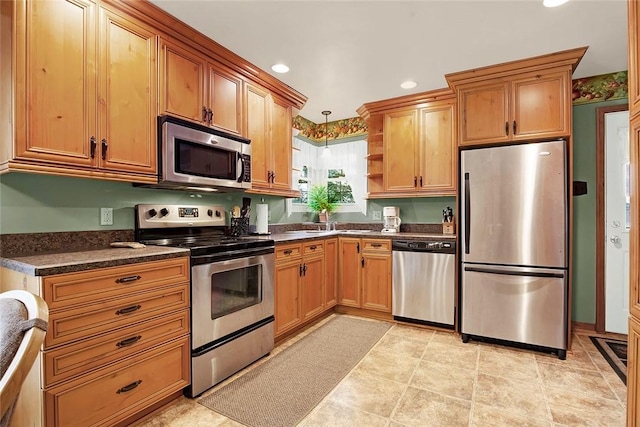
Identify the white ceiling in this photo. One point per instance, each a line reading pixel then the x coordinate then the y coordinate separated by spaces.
pixel 345 53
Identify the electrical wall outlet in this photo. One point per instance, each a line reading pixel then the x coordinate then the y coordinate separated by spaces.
pixel 377 215
pixel 106 216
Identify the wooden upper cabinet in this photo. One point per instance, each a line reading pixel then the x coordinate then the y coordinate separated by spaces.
pixel 127 97
pixel 182 82
pixel 400 140
pixel 633 14
pixel 225 99
pixel 523 100
pixel 268 124
pixel 438 149
pixel 484 113
pixel 56 82
pixel 196 88
pixel 86 89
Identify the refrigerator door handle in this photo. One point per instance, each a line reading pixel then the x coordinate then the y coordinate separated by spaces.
pixel 513 273
pixel 467 213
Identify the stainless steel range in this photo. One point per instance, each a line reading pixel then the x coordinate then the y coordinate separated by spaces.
pixel 232 296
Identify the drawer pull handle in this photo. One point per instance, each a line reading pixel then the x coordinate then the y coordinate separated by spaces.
pixel 129 309
pixel 376 245
pixel 129 341
pixel 129 387
pixel 313 248
pixel 287 252
pixel 128 279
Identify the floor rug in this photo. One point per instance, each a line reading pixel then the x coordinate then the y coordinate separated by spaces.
pixel 615 352
pixel 284 389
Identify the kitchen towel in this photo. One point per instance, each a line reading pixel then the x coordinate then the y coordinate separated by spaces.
pixel 262 218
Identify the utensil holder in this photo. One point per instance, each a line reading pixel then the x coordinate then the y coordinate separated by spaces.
pixel 239 227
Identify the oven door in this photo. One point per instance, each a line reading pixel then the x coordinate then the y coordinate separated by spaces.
pixel 227 296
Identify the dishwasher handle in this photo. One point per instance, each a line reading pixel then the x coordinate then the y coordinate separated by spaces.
pixel 443 247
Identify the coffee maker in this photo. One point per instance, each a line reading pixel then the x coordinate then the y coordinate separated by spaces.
pixel 391 219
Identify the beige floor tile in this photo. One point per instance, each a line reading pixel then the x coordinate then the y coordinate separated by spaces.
pixel 523 398
pixel 412 332
pixel 331 413
pixel 368 393
pixel 465 356
pixel 399 345
pixel 483 416
pixel 389 365
pixel 426 408
pixel 449 380
pixel 578 358
pixel 590 383
pixel 450 338
pixel 572 409
pixel 188 413
pixel 509 364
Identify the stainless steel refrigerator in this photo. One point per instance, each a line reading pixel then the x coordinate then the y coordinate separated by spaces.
pixel 514 235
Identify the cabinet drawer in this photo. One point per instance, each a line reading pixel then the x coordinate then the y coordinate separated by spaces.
pixel 313 248
pixel 376 245
pixel 85 356
pixel 110 395
pixel 63 290
pixel 89 320
pixel 288 252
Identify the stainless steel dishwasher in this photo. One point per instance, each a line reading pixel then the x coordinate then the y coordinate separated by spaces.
pixel 424 281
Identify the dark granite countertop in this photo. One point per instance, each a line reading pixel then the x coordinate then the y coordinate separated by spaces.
pixel 68 262
pixel 303 235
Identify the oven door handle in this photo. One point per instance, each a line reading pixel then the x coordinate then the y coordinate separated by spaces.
pixel 231 256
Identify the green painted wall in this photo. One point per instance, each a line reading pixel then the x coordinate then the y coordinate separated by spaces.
pixel 584 215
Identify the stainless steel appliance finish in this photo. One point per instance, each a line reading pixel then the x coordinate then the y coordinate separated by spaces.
pixel 423 287
pixel 194 156
pixel 514 237
pixel 232 288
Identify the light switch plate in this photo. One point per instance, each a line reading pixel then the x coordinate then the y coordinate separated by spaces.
pixel 377 215
pixel 106 216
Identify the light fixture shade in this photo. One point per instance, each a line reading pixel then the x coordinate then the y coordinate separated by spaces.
pixel 553 3
pixel 326 152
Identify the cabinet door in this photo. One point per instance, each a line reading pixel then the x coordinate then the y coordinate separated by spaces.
pixel 312 288
pixel 287 278
pixel 225 99
pixel 437 150
pixel 331 273
pixel 350 272
pixel 400 140
pixel 634 256
pixel 258 131
pixel 376 282
pixel 633 12
pixel 281 144
pixel 128 95
pixel 182 82
pixel 633 373
pixel 541 106
pixel 484 113
pixel 56 81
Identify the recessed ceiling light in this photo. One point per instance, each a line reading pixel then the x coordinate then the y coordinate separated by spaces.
pixel 280 68
pixel 553 3
pixel 409 84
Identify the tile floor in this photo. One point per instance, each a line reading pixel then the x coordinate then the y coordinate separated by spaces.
pixel 420 377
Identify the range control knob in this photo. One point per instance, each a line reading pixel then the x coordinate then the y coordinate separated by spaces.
pixel 210 212
pixel 164 212
pixel 153 212
pixel 218 214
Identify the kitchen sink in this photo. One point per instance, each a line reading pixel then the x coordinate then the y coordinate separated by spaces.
pixel 306 231
pixel 355 231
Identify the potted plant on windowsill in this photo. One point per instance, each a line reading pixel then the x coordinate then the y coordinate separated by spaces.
pixel 319 202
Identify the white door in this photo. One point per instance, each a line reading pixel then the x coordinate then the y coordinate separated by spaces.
pixel 617 221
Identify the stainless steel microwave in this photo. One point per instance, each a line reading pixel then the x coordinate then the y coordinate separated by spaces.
pixel 196 157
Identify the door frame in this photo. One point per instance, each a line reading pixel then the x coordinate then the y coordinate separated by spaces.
pixel 600 211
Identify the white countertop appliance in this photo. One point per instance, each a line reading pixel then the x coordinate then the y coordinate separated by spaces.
pixel 514 238
pixel 391 217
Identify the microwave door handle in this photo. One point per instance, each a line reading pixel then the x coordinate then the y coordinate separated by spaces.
pixel 240 159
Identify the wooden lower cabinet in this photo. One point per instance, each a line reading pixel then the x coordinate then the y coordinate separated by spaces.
pixel 365 273
pixel 633 373
pixel 331 272
pixel 301 273
pixel 110 395
pixel 118 343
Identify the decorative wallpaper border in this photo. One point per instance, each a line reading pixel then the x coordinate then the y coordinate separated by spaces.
pixel 605 87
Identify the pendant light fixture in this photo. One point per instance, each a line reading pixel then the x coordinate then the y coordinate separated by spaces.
pixel 326 153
